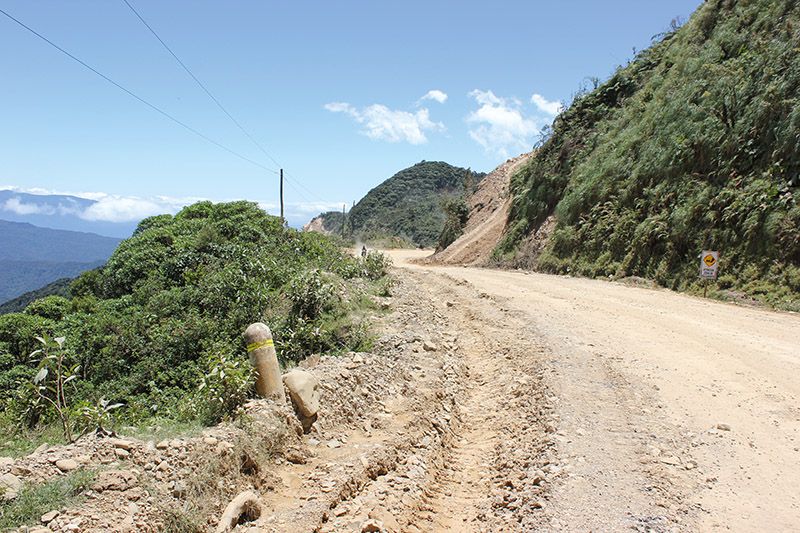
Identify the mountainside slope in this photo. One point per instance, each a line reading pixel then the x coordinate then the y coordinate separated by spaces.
pixel 26 242
pixel 59 287
pixel 409 204
pixel 20 277
pixel 31 257
pixel 694 145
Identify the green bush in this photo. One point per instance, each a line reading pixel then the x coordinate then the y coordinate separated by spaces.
pixel 376 265
pixel 53 307
pixel 166 314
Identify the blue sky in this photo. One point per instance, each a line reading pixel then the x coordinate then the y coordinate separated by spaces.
pixel 335 91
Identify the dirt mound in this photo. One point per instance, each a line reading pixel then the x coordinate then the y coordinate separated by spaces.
pixel 488 212
pixel 317 224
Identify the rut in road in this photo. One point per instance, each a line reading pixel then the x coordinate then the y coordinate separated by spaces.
pixel 491 477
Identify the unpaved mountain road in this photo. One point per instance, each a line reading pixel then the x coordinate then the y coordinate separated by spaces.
pixel 673 412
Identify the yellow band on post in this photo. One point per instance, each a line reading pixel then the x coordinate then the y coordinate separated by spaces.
pixel 260 344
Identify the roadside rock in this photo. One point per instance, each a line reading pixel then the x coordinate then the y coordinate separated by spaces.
pixel 372 526
pixel 114 480
pixel 304 391
pixel 122 444
pixel 428 346
pixel 66 465
pixel 243 508
pixel 49 517
pixel 10 486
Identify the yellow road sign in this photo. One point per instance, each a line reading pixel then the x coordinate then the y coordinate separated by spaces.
pixel 709 264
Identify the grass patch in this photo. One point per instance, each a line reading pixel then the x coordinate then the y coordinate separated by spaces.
pixel 35 500
pixel 158 429
pixel 23 442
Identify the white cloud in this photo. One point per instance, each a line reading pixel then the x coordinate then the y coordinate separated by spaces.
pixel 118 208
pixel 500 124
pixel 105 207
pixel 546 106
pixel 380 122
pixel 18 207
pixel 435 94
pixel 113 208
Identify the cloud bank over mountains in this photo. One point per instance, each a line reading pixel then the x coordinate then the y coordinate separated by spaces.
pixel 112 214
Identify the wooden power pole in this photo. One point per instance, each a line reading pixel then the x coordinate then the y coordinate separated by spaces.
pixel 343 218
pixel 283 220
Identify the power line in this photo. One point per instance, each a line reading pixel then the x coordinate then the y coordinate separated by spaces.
pixel 200 84
pixel 294 183
pixel 134 95
pixel 300 184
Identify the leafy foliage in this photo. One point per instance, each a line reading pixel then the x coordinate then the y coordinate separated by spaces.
pixel 456 213
pixel 55 371
pixel 693 145
pixel 158 329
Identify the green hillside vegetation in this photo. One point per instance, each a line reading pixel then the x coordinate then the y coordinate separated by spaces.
pixel 410 204
pixel 694 145
pixel 59 287
pixel 158 329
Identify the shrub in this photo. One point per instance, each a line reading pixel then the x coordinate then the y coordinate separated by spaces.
pixel 227 383
pixel 52 307
pixel 376 265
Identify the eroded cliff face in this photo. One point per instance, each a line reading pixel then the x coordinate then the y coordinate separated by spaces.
pixel 317 224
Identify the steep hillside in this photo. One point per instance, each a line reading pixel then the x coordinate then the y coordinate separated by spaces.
pixel 31 257
pixel 327 223
pixel 409 204
pixel 20 277
pixel 486 219
pixel 694 145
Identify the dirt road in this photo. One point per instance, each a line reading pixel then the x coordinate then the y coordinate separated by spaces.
pixel 673 412
pixel 495 401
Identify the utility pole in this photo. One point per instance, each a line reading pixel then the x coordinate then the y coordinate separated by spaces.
pixel 283 220
pixel 343 218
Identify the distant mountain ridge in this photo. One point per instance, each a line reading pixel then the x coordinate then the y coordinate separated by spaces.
pixel 58 211
pixel 406 206
pixel 31 257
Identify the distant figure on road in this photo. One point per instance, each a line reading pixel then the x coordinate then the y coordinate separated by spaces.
pixel 363 251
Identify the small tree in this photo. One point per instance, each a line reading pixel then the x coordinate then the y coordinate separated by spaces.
pixel 52 378
pixel 99 417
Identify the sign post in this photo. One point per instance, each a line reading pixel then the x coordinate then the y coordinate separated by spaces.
pixel 709 267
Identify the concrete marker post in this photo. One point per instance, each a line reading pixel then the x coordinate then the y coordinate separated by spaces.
pixel 263 357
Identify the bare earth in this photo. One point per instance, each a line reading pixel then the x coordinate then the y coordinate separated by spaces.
pixel 674 413
pixel 488 212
